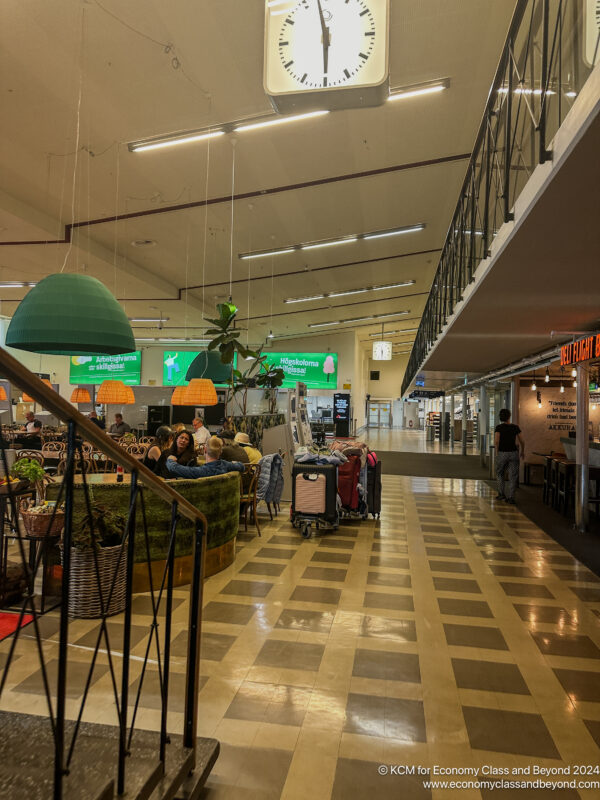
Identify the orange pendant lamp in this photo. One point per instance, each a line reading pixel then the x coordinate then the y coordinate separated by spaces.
pixel 115 393
pixel 3 396
pixel 80 395
pixel 200 392
pixel 177 396
pixel 27 399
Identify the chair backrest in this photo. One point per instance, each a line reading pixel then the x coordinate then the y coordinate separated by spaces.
pixel 250 479
pixel 80 466
pixel 138 450
pixel 147 440
pixel 35 454
pixel 87 449
pixel 53 447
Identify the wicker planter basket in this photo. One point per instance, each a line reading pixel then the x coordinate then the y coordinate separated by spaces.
pixel 39 524
pixel 84 597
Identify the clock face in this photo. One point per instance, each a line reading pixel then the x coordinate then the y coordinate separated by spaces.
pixel 326 42
pixel 320 46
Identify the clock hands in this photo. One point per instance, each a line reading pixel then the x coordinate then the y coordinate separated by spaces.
pixel 326 38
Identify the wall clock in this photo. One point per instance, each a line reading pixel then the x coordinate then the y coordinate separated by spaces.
pixel 382 351
pixel 326 54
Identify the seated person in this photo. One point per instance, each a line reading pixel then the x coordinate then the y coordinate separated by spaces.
pixel 215 465
pixel 182 449
pixel 156 457
pixel 254 455
pixel 99 423
pixel 231 450
pixel 119 427
pixel 201 434
pixel 31 436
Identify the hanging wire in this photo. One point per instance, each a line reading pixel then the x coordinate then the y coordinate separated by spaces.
pixel 116 223
pixel 205 223
pixel 231 231
pixel 250 207
pixel 187 267
pixel 77 134
pixel 271 316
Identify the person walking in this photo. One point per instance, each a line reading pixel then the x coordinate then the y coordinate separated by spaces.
pixel 507 441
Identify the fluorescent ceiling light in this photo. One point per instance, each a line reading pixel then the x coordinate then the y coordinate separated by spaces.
pixel 247 256
pixel 173 341
pixel 304 299
pixel 328 244
pixel 138 147
pixel 349 291
pixel 148 319
pixel 17 285
pixel 395 232
pixel 358 319
pixel 396 332
pixel 279 121
pixel 417 90
pixel 273 3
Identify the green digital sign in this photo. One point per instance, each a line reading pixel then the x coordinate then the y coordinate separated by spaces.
pixel 180 366
pixel 316 370
pixel 95 369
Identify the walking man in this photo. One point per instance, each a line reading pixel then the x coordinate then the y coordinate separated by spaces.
pixel 507 441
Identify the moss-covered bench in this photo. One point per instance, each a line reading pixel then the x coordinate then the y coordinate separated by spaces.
pixel 218 497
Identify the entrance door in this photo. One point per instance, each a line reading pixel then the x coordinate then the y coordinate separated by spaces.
pixel 380 414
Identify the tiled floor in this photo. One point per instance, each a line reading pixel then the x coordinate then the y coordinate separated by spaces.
pixel 450 632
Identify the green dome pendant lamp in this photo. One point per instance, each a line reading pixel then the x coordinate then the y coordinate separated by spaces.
pixel 73 315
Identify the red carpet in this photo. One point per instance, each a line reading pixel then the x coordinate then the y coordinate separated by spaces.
pixel 10 622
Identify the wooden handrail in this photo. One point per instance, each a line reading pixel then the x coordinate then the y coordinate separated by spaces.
pixel 20 376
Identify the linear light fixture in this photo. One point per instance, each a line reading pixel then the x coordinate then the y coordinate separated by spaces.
pixel 346 292
pixel 17 285
pixel 155 144
pixel 357 319
pixel 329 242
pixel 397 332
pixel 148 319
pixel 173 341
pixel 417 89
pixel 279 121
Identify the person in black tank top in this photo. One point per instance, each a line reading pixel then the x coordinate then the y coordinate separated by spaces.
pixel 507 441
pixel 156 456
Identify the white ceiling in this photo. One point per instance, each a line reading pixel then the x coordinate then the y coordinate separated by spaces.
pixel 145 68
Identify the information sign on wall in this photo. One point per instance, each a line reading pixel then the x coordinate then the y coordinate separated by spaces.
pixel 180 366
pixel 95 369
pixel 581 350
pixel 316 370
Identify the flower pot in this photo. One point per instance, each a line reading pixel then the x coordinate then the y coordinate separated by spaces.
pixel 84 593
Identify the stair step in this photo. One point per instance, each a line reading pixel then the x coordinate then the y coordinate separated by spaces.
pixel 27 762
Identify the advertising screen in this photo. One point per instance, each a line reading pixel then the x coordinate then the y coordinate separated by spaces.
pixel 316 370
pixel 180 366
pixel 95 369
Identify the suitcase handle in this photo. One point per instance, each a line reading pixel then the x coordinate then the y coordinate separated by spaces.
pixel 310 476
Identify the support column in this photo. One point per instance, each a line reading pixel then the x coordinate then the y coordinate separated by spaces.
pixel 514 401
pixel 443 437
pixel 464 422
pixel 582 451
pixel 484 413
pixel 452 422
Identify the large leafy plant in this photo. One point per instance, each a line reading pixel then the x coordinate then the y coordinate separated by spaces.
pixel 226 340
pixel 101 528
pixel 270 378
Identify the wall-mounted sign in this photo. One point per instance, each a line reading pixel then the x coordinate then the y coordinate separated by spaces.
pixel 316 370
pixel 382 351
pixel 420 382
pixel 95 369
pixel 581 350
pixel 180 366
pixel 425 394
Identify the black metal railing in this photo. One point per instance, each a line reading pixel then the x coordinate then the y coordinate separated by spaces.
pixel 65 732
pixel 542 69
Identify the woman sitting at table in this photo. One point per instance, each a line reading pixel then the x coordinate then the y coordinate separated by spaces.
pixel 183 449
pixel 157 455
pixel 215 465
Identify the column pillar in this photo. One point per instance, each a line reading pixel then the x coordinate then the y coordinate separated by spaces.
pixel 443 437
pixel 464 422
pixel 484 413
pixel 452 421
pixel 582 451
pixel 514 401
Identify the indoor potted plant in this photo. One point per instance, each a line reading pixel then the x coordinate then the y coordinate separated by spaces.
pixel 30 470
pixel 98 538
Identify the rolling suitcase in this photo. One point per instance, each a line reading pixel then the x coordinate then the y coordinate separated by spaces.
pixel 374 489
pixel 348 475
pixel 314 496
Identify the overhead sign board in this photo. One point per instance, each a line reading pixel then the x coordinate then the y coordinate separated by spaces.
pixel 180 366
pixel 316 370
pixel 95 369
pixel 427 394
pixel 581 350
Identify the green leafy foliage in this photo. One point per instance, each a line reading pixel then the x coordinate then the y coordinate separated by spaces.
pixel 28 469
pixel 101 528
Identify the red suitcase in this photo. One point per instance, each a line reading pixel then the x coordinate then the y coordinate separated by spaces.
pixel 348 475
